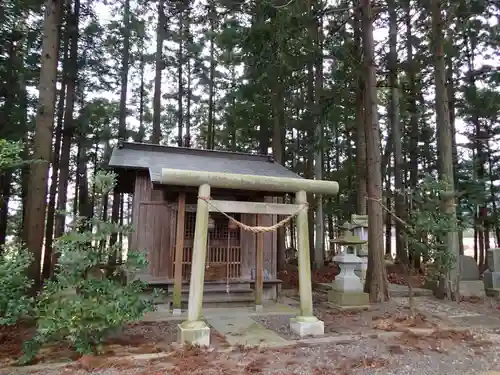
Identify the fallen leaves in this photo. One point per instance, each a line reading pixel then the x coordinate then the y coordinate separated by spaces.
pixel 349 365
pixel 439 341
pixel 397 274
pixel 402 322
pixel 11 339
pixel 290 275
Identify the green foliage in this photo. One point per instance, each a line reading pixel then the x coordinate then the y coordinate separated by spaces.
pixel 429 224
pixel 10 153
pixel 14 284
pixel 88 299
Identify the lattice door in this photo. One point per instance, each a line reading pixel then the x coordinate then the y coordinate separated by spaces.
pixel 223 253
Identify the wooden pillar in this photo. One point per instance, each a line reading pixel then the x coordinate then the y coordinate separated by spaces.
pixel 305 287
pixel 259 266
pixel 199 255
pixel 179 250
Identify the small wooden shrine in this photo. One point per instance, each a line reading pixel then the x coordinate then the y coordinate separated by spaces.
pixel 231 253
pixel 230 184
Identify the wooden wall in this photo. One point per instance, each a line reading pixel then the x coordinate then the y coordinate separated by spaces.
pixel 152 219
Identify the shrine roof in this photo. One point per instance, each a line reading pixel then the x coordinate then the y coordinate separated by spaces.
pixel 152 157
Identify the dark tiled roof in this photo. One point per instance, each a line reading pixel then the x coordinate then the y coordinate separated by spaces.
pixel 143 156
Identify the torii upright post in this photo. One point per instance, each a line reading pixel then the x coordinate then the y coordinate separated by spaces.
pixel 306 324
pixel 195 331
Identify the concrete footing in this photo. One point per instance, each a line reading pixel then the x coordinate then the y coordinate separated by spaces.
pixel 259 308
pixel 348 300
pixel 307 326
pixel 193 333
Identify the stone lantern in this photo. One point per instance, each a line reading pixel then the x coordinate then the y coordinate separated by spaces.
pixel 345 230
pixel 347 288
pixel 359 226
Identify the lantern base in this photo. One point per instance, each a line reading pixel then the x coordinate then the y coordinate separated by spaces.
pixel 348 300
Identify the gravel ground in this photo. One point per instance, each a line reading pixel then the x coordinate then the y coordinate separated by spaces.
pixel 343 322
pixel 454 355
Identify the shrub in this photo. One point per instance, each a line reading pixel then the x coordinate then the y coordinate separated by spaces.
pixel 89 299
pixel 14 284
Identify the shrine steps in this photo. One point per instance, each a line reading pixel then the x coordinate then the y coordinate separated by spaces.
pixel 237 295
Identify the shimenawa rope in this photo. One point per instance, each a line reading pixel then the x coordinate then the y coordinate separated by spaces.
pixel 258 229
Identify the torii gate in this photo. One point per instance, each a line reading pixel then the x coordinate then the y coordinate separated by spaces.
pixel 194 330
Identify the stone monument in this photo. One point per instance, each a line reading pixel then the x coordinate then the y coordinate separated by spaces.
pixel 347 290
pixel 359 226
pixel 470 285
pixel 491 277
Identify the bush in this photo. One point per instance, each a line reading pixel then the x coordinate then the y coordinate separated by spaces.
pixel 88 299
pixel 14 284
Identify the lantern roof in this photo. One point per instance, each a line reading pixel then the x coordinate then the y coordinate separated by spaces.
pixel 346 226
pixel 348 239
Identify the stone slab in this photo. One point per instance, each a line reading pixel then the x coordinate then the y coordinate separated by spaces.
pixel 480 321
pixel 241 330
pixel 163 312
pixel 348 300
pixel 434 307
pixel 396 290
pixel 472 288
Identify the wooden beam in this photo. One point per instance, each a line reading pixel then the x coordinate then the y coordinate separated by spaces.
pixel 262 208
pixel 259 266
pixel 247 182
pixel 179 249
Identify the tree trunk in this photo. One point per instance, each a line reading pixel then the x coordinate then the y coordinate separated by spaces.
pixel 51 209
pixel 5 191
pixel 142 98
pixel 278 153
pixel 397 134
pixel 34 222
pixel 160 32
pixel 6 129
pixel 212 14
pixel 361 170
pixel 187 140
pixel 69 122
pixel 180 81
pixel 319 248
pixel 444 137
pixel 376 278
pixel 481 157
pixel 122 116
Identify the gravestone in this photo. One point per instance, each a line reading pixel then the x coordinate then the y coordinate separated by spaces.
pixel 491 277
pixel 469 271
pixel 470 285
